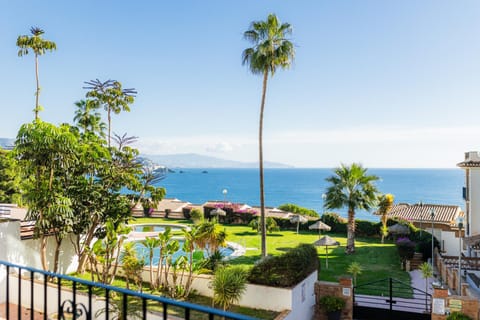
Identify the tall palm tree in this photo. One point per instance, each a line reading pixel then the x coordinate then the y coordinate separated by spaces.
pixel 112 97
pixel 87 119
pixel 385 204
pixel 271 49
pixel 39 46
pixel 353 188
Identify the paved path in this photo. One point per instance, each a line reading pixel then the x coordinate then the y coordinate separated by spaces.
pixel 416 304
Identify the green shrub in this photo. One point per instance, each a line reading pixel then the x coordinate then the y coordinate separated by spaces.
pixel 458 316
pixel 297 209
pixel 287 269
pixel 196 215
pixel 332 303
pixel 365 228
pixel 337 223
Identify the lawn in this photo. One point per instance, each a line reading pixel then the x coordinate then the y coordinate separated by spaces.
pixel 378 260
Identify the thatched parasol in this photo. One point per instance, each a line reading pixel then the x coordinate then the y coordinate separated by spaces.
pixel 326 241
pixel 298 219
pixel 399 229
pixel 218 212
pixel 320 226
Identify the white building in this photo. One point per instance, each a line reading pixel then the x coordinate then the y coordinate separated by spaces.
pixel 471 195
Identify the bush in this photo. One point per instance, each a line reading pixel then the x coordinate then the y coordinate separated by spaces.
pixel 332 303
pixel 406 248
pixel 458 316
pixel 196 215
pixel 299 210
pixel 287 269
pixel 365 228
pixel 337 223
pixel 424 243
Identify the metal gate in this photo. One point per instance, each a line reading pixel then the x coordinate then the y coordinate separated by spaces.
pixel 390 299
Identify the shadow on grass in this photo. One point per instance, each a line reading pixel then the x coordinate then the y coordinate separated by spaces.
pixel 245 233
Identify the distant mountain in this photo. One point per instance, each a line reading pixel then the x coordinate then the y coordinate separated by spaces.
pixel 192 160
pixel 6 143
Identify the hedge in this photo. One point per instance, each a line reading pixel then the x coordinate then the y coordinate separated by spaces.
pixel 287 269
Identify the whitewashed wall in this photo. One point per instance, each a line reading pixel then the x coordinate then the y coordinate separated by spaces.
pixel 451 244
pixel 474 189
pixel 27 252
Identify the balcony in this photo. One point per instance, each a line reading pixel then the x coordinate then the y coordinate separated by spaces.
pixel 56 296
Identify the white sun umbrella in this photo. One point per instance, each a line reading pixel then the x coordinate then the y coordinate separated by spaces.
pixel 326 241
pixel 320 226
pixel 298 219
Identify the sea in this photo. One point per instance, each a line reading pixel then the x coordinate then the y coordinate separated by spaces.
pixel 305 187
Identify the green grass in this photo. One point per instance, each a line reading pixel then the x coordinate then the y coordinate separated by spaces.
pixel 378 261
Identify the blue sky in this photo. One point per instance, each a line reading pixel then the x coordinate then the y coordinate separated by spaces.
pixel 384 83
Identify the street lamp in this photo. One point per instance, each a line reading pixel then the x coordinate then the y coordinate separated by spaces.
pixel 224 191
pixel 460 226
pixel 421 217
pixel 432 212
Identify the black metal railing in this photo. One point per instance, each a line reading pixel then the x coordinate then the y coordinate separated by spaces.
pixel 55 296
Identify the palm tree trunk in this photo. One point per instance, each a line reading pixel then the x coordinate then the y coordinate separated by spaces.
pixel 350 232
pixel 37 94
pixel 263 226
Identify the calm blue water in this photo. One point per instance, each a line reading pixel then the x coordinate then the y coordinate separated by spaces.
pixel 306 186
pixel 143 252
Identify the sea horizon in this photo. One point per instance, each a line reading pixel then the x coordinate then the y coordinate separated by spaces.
pixel 305 186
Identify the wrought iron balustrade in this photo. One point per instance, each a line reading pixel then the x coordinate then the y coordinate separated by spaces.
pixel 57 296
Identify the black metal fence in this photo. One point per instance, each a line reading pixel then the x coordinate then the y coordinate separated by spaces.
pixel 390 299
pixel 55 296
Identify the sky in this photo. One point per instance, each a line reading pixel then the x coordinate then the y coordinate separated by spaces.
pixel 383 83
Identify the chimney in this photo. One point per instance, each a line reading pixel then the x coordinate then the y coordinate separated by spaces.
pixel 472 156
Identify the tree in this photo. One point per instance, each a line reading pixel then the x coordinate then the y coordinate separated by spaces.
pixel 39 46
pixel 353 188
pixel 355 269
pixel 385 204
pixel 427 272
pixel 150 244
pixel 112 97
pixel 271 50
pixel 228 285
pixel 47 156
pixel 87 119
pixel 10 180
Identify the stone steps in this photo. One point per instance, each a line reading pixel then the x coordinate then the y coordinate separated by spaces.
pixel 416 261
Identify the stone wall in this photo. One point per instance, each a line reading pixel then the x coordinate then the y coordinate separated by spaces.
pixel 343 289
pixel 443 302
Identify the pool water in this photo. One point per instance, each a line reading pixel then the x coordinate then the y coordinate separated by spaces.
pixel 143 252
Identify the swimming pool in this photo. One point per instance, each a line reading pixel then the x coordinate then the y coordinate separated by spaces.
pixel 143 252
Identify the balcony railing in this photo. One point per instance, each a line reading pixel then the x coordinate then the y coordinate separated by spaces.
pixel 55 296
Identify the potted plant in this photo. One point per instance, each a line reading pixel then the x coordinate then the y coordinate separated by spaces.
pixel 333 306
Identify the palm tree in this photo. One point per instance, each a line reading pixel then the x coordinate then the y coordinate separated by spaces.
pixel 39 46
pixel 228 285
pixel 385 204
pixel 151 244
pixel 351 187
pixel 87 119
pixel 112 97
pixel 271 49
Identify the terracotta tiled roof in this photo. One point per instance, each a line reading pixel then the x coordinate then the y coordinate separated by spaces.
pixel 444 214
pixel 174 205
